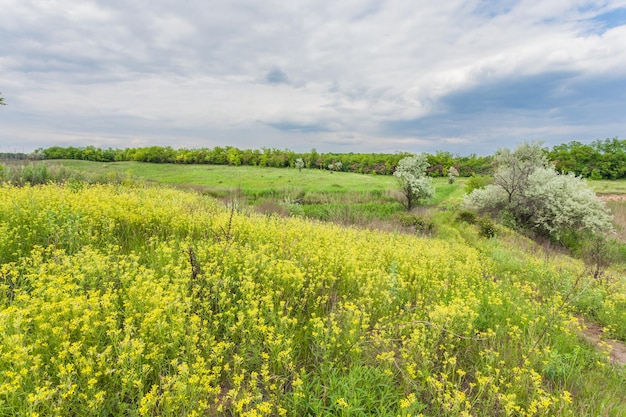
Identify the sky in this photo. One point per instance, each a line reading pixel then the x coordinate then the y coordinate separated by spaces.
pixel 466 77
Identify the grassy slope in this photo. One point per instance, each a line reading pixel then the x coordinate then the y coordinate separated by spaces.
pixel 516 293
pixel 135 301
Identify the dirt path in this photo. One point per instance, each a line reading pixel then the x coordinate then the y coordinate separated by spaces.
pixel 593 333
pixel 612 197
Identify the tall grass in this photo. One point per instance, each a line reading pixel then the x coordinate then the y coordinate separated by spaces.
pixel 618 209
pixel 120 300
pixel 22 173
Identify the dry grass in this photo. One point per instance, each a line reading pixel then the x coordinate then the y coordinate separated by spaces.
pixel 618 208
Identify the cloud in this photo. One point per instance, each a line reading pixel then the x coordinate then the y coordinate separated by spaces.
pixel 372 74
pixel 276 76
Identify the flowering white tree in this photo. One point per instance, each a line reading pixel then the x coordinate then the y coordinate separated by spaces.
pixel 529 190
pixel 299 164
pixel 452 174
pixel 411 174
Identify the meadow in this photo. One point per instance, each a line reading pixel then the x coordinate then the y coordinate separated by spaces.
pixel 143 300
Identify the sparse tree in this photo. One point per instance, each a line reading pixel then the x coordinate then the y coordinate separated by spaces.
pixel 2 103
pixel 411 174
pixel 513 168
pixel 299 164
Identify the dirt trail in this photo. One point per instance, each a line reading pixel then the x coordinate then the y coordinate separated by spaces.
pixel 593 333
pixel 612 197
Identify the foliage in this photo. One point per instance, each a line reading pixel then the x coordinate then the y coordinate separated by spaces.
pixel 601 159
pixel 476 182
pixel 452 174
pixel 2 103
pixel 529 190
pixel 118 300
pixel 487 227
pixel 21 172
pixel 466 216
pixel 411 174
pixel 420 224
pixel 335 166
pixel 299 164
pixel 363 163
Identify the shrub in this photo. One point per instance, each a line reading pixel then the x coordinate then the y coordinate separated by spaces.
pixel 466 216
pixel 487 227
pixel 421 224
pixel 477 182
pixel 537 198
pixel 452 174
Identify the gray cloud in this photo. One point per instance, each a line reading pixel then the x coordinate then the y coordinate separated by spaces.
pixel 376 76
pixel 276 76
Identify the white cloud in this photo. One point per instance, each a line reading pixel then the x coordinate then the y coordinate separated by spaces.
pixel 328 70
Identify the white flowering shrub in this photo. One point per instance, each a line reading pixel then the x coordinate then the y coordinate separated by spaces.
pixel 299 164
pixel 538 198
pixel 411 174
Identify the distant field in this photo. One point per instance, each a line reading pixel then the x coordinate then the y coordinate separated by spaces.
pixel 253 180
pixel 609 186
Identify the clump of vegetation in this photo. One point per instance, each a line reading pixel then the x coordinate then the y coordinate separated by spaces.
pixel 299 164
pixel 487 227
pixel 128 300
pixel 415 184
pixel 453 173
pixel 22 172
pixel 466 216
pixel 527 188
pixel 421 224
pixel 477 182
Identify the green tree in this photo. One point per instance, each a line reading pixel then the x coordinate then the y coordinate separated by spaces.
pixel 2 103
pixel 411 174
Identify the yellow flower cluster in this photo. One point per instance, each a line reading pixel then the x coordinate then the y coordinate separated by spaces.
pixel 142 301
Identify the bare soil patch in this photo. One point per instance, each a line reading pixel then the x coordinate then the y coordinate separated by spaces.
pixel 612 197
pixel 594 334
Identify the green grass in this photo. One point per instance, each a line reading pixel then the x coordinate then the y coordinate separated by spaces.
pixel 132 300
pixel 253 181
pixel 608 186
pixel 341 197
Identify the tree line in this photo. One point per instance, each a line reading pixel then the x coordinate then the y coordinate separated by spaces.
pixel 364 163
pixel 601 159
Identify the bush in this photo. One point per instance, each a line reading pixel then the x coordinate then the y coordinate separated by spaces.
pixel 466 216
pixel 539 199
pixel 477 182
pixel 487 228
pixel 421 224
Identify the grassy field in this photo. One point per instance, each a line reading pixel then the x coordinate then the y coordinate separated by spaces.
pixel 609 186
pixel 129 300
pixel 253 181
pixel 340 197
pixel 133 299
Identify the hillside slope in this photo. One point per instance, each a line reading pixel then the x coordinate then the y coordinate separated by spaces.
pixel 120 300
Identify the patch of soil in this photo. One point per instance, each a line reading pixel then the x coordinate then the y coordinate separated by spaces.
pixel 593 333
pixel 612 197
